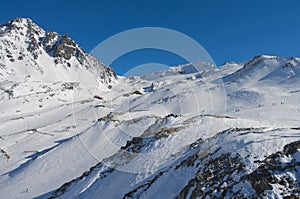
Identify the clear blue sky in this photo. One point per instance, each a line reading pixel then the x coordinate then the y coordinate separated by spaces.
pixel 233 30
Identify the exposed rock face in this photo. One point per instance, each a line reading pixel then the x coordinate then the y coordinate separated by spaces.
pixel 63 47
pixel 275 170
pixel 66 48
pixel 50 41
pixel 220 177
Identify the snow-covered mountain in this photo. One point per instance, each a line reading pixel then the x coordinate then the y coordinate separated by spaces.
pixel 28 52
pixel 69 128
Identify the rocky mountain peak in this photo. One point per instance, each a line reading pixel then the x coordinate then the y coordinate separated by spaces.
pixel 22 26
pixel 23 41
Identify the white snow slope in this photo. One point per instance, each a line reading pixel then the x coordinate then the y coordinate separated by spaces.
pixel 69 128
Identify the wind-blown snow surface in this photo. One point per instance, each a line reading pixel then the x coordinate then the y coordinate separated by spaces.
pixel 191 131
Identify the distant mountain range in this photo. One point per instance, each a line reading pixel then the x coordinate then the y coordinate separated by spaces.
pixel 71 128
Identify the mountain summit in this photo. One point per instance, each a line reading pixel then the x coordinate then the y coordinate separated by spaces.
pixel 26 50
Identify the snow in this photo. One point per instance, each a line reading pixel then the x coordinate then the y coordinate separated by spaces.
pixel 54 129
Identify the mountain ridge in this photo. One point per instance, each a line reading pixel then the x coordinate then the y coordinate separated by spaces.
pixel 191 131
